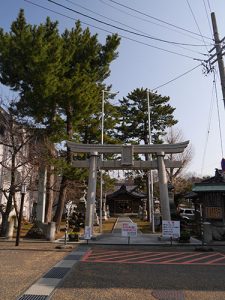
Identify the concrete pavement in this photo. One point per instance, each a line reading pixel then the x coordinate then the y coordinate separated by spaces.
pixel 115 238
pixel 38 271
pixel 46 285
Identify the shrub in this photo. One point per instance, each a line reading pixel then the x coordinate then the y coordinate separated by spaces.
pixel 185 236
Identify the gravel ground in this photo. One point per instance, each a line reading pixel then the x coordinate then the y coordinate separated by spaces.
pixel 21 266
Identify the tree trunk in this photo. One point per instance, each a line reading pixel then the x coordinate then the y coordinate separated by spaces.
pixel 60 207
pixel 64 182
pixel 5 215
pixel 49 194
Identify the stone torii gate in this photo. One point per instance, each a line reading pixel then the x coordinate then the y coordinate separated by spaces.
pixel 127 161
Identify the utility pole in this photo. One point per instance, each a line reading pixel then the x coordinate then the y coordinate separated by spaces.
pixel 219 54
pixel 102 142
pixel 150 177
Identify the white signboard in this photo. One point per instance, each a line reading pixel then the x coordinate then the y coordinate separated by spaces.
pixel 171 229
pixel 87 232
pixel 129 229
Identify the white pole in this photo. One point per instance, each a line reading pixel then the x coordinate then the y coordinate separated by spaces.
pixel 150 177
pixel 101 179
pixel 102 142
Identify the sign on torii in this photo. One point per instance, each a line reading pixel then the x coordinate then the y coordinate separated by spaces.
pixel 127 161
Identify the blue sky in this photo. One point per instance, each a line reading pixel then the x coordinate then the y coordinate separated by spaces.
pixel 140 65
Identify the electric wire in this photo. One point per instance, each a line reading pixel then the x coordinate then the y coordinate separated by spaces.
pixel 151 22
pixel 208 127
pixel 120 28
pixel 177 77
pixel 159 20
pixel 218 113
pixel 209 6
pixel 118 22
pixel 162 49
pixel 122 36
pixel 193 15
pixel 207 16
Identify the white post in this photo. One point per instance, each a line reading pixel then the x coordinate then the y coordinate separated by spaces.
pixel 101 179
pixel 163 188
pixel 150 177
pixel 102 142
pixel 91 194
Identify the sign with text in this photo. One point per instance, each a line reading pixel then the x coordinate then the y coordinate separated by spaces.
pixel 129 229
pixel 171 229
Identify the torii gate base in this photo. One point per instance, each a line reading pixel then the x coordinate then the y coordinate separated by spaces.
pixel 95 163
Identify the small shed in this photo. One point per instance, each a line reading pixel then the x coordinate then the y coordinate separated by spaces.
pixel 210 199
pixel 123 201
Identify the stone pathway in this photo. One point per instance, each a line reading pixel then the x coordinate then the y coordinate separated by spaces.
pixel 44 287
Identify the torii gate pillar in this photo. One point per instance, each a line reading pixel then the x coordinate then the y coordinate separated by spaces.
pixel 127 162
pixel 163 188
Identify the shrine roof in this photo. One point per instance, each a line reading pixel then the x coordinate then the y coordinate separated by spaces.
pixel 123 191
pixel 212 184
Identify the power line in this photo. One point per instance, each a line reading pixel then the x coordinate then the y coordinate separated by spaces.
pixel 208 128
pixel 209 6
pixel 193 15
pixel 162 49
pixel 151 22
pixel 177 77
pixel 218 112
pixel 122 36
pixel 120 28
pixel 207 16
pixel 147 15
pixel 118 22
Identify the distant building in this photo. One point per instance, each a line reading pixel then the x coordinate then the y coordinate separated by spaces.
pixel 124 201
pixel 10 135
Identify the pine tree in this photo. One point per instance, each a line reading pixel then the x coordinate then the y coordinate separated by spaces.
pixel 59 78
pixel 133 125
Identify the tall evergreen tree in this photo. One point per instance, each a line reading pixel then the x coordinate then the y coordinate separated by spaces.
pixel 133 126
pixel 58 77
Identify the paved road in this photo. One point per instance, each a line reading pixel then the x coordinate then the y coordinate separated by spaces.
pixel 108 277
pixel 163 257
pixel 154 270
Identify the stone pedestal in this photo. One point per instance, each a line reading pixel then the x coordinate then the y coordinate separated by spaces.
pixel 9 234
pixel 50 234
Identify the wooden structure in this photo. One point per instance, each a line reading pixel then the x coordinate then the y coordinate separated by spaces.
pixel 123 201
pixel 209 198
pixel 211 195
